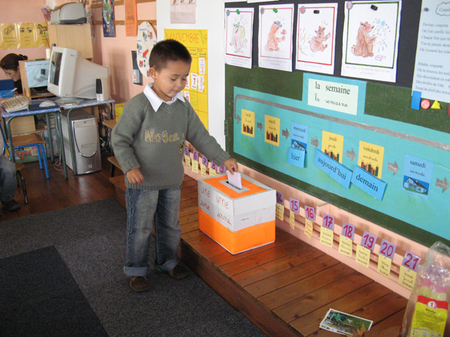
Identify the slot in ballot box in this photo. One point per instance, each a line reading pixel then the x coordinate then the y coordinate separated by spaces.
pixel 237 219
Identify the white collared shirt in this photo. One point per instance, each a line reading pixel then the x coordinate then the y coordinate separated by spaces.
pixel 155 101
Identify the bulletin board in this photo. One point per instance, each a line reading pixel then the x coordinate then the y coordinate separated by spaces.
pixel 389 163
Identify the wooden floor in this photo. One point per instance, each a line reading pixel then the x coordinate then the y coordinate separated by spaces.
pixel 284 288
pixel 56 193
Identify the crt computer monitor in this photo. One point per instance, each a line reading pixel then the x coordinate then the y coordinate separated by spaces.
pixel 71 76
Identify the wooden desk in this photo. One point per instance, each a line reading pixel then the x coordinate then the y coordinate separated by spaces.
pixel 111 123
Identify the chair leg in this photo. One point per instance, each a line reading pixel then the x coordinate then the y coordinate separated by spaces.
pixel 39 153
pixel 24 187
pixel 43 155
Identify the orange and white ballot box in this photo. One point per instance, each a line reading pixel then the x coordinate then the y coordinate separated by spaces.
pixel 237 219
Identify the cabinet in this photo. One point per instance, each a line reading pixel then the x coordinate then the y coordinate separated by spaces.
pixel 76 37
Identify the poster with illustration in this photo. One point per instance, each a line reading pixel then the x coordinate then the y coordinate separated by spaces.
pixel 333 145
pixel 183 11
pixel 146 38
pixel 417 175
pixel 239 36
pixel 370 40
pixel 371 157
pixel 316 34
pixel 41 34
pixel 109 28
pixel 275 36
pixel 9 34
pixel 27 37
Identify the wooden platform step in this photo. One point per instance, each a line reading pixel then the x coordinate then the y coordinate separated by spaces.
pixel 114 161
pixel 115 164
pixel 284 288
pixel 119 189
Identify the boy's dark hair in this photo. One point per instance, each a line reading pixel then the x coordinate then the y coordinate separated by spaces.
pixel 11 61
pixel 168 50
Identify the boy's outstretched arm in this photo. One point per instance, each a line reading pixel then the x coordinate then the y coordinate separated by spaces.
pixel 231 165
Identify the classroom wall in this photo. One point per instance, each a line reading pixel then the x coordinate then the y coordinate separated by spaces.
pixel 209 16
pixel 12 11
pixel 116 54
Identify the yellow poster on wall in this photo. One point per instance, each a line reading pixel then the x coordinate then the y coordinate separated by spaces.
pixel 23 35
pixel 371 158
pixel 333 145
pixel 9 35
pixel 272 126
pixel 26 35
pixel 41 34
pixel 196 91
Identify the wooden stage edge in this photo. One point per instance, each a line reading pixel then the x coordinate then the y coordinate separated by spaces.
pixel 285 288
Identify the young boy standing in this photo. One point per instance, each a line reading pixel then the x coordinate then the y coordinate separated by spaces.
pixel 148 142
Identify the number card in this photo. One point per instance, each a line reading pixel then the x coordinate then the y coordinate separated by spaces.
pixel 295 208
pixel 310 213
pixel 368 241
pixel 408 270
pixel 328 221
pixel 294 205
pixel 280 206
pixel 280 198
pixel 326 231
pixel 187 157
pixel 346 240
pixel 387 249
pixel 309 227
pixel 195 162
pixel 213 169
pixel 204 165
pixel 348 231
pixel 411 261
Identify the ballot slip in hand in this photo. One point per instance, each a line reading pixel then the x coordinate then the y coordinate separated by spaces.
pixel 235 179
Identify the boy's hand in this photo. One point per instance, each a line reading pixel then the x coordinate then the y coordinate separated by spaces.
pixel 231 165
pixel 135 176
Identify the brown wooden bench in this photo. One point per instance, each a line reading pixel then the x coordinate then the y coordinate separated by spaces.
pixel 115 163
pixel 119 189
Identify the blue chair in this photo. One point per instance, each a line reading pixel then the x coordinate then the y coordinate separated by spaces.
pixel 33 139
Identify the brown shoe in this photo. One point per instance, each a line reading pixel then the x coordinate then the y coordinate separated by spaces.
pixel 179 272
pixel 139 284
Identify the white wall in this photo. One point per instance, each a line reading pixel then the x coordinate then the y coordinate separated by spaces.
pixel 209 16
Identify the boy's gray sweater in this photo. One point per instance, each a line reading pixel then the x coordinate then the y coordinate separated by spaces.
pixel 154 141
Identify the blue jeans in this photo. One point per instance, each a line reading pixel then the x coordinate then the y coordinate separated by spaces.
pixel 144 208
pixel 8 182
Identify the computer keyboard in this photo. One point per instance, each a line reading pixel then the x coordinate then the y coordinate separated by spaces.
pixel 15 103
